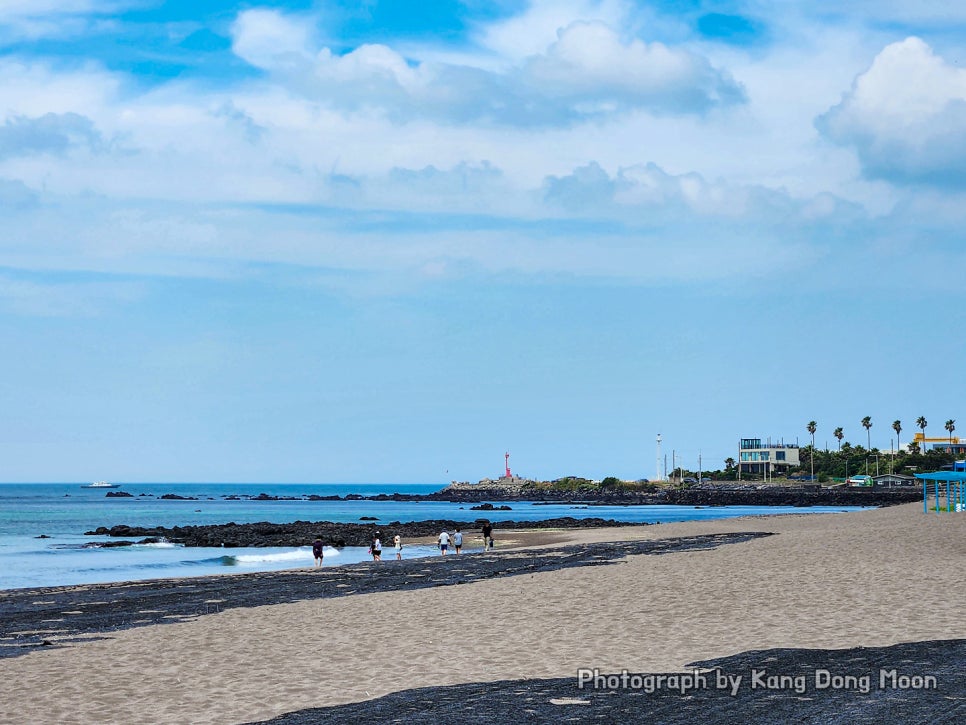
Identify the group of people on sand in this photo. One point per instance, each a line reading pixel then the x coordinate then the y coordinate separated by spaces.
pixel 443 541
pixel 375 546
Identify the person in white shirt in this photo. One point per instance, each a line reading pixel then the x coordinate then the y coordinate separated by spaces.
pixel 443 543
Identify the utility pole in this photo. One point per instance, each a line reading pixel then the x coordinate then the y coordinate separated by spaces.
pixel 657 464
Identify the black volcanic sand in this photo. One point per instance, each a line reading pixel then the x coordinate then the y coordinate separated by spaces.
pixel 533 701
pixel 30 618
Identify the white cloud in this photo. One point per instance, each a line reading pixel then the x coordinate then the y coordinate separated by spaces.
pixel 51 133
pixel 35 19
pixel 647 192
pixel 271 40
pixel 587 71
pixel 35 88
pixel 905 116
pixel 590 63
pixel 531 32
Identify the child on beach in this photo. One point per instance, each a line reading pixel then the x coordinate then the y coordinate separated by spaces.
pixel 317 551
pixel 443 543
pixel 458 540
pixel 397 543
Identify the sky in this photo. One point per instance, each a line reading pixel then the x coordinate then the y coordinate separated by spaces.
pixel 386 241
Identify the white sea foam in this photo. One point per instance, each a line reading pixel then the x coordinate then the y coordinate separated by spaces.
pixel 295 555
pixel 161 545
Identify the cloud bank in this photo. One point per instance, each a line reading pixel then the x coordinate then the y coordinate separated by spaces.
pixel 587 72
pixel 905 117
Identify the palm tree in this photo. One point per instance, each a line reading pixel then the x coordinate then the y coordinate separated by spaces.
pixel 922 423
pixel 729 462
pixel 867 423
pixel 811 428
pixel 950 426
pixel 897 427
pixel 840 435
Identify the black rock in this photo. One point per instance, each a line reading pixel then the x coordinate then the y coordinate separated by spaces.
pixel 303 533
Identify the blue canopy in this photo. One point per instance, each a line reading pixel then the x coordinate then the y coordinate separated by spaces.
pixel 943 476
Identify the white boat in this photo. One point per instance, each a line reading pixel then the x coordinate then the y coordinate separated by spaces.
pixel 101 484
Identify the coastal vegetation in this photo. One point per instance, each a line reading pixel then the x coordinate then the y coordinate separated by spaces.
pixel 821 465
pixel 578 483
pixel 850 460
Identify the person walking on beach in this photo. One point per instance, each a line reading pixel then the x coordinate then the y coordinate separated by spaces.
pixel 376 548
pixel 397 544
pixel 487 536
pixel 317 551
pixel 443 543
pixel 458 540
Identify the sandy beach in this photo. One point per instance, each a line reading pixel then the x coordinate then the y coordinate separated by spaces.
pixel 866 579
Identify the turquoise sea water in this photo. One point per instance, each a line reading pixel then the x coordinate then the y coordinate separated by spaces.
pixel 64 511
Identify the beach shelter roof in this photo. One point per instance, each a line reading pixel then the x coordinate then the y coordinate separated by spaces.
pixel 957 476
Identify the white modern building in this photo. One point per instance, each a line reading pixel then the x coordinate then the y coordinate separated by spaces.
pixel 766 458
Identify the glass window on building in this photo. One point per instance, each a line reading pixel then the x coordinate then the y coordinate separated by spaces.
pixel 779 455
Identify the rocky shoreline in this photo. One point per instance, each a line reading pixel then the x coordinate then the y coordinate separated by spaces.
pixel 721 494
pixel 303 533
pixel 731 494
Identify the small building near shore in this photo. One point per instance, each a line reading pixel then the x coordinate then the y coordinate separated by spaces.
pixel 894 480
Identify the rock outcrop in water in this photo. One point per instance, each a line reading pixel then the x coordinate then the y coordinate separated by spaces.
pixel 303 533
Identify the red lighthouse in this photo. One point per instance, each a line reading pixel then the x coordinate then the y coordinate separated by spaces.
pixel 506 458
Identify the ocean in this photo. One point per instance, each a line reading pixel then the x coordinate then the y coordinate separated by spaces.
pixel 64 511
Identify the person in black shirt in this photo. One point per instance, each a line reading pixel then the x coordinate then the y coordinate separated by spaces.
pixel 487 536
pixel 317 551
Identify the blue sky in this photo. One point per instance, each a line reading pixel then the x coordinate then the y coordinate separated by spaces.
pixel 388 241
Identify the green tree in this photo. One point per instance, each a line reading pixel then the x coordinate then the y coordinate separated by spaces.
pixel 867 423
pixel 811 428
pixel 729 463
pixel 610 482
pixel 839 435
pixel 922 423
pixel 950 426
pixel 897 427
